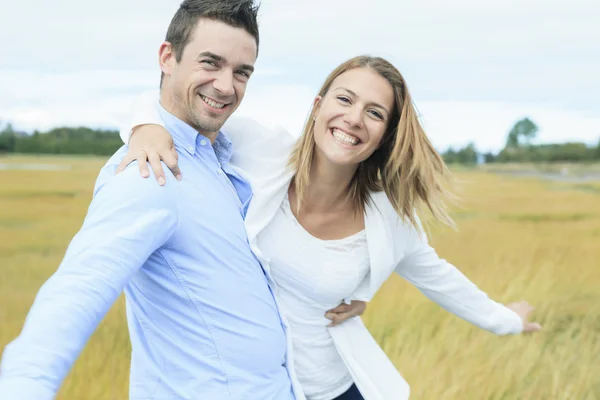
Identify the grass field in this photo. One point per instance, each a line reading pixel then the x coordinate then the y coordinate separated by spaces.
pixel 518 239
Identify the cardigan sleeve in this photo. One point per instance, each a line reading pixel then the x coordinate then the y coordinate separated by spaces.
pixel 144 111
pixel 443 283
pixel 256 148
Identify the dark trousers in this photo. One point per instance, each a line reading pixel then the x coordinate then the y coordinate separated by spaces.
pixel 351 394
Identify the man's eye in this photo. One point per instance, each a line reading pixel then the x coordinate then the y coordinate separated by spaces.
pixel 209 62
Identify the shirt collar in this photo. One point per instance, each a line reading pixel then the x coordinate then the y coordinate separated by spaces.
pixel 183 134
pixel 188 137
pixel 223 148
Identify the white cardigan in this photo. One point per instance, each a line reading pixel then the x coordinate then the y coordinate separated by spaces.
pixel 261 155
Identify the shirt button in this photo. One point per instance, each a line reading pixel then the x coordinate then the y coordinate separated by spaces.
pixel 203 142
pixel 190 148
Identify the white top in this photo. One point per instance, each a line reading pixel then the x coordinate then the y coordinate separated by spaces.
pixel 313 276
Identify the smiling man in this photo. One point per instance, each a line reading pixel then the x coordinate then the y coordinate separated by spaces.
pixel 202 318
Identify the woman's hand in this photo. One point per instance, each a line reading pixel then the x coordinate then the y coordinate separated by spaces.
pixel 344 312
pixel 523 309
pixel 152 143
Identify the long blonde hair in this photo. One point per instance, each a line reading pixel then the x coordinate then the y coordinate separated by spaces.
pixel 406 166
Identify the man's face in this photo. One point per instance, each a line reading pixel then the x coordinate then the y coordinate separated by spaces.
pixel 209 82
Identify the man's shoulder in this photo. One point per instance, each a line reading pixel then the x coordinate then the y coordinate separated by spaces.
pixel 130 186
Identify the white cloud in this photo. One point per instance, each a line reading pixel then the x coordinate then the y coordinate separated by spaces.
pixel 473 67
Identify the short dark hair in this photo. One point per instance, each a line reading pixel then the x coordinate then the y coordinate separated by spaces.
pixel 236 13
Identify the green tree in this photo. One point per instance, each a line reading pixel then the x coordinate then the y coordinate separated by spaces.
pixel 7 139
pixel 523 129
pixel 466 156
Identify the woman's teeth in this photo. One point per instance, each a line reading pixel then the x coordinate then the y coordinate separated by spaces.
pixel 212 103
pixel 344 138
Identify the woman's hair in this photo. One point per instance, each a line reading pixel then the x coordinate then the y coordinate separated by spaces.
pixel 405 166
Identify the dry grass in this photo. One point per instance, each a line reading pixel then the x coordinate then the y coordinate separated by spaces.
pixel 518 239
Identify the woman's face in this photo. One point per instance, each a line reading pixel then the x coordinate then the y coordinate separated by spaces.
pixel 353 116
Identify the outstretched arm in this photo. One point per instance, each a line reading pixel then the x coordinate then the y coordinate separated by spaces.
pixel 446 285
pixel 127 221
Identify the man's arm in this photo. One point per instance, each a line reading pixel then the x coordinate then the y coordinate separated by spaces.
pixel 127 221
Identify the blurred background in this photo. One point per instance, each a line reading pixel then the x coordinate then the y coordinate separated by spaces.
pixel 508 92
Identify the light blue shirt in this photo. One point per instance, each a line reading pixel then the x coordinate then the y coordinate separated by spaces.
pixel 202 319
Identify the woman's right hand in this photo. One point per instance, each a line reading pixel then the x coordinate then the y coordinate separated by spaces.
pixel 152 143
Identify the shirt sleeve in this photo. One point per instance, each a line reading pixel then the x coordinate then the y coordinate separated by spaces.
pixel 144 111
pixel 443 283
pixel 128 219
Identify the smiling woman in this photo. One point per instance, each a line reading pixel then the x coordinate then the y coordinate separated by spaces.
pixel 365 103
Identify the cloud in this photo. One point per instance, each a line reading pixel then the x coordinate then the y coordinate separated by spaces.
pixel 473 67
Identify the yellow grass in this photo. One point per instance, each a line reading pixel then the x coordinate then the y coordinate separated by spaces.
pixel 518 239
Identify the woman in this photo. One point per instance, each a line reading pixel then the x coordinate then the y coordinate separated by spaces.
pixel 335 213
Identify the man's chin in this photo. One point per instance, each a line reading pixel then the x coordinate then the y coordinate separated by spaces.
pixel 209 125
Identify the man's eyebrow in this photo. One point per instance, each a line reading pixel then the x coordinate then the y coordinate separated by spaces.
pixel 354 94
pixel 216 57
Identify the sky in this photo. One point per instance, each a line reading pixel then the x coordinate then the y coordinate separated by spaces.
pixel 473 67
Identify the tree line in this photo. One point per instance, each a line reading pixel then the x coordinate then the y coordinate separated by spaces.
pixel 519 149
pixel 66 140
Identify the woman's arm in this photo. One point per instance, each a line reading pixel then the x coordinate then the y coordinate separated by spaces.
pixel 256 147
pixel 443 283
pixel 148 139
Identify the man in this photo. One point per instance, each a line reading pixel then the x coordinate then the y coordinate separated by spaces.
pixel 202 318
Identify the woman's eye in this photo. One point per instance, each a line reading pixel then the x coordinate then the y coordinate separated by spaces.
pixel 344 99
pixel 377 114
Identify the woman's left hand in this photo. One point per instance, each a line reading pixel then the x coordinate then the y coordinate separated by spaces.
pixel 344 312
pixel 523 309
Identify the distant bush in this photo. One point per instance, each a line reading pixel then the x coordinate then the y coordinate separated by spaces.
pixel 64 140
pixel 519 149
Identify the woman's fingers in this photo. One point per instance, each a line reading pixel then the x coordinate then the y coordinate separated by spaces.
pixel 524 309
pixel 142 165
pixel 159 173
pixel 170 159
pixel 128 159
pixel 531 327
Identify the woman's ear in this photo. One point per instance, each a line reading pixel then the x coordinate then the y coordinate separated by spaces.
pixel 317 101
pixel 316 104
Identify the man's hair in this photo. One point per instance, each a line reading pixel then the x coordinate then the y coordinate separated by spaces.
pixel 236 13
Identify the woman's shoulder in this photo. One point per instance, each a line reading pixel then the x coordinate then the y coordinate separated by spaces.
pixel 400 228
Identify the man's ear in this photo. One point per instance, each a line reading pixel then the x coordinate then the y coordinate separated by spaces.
pixel 166 58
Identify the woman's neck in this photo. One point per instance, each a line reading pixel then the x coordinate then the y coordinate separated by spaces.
pixel 329 186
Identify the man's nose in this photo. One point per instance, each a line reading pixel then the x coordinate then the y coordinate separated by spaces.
pixel 224 83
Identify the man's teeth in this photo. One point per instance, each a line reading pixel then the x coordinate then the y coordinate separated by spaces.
pixel 212 103
pixel 344 137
